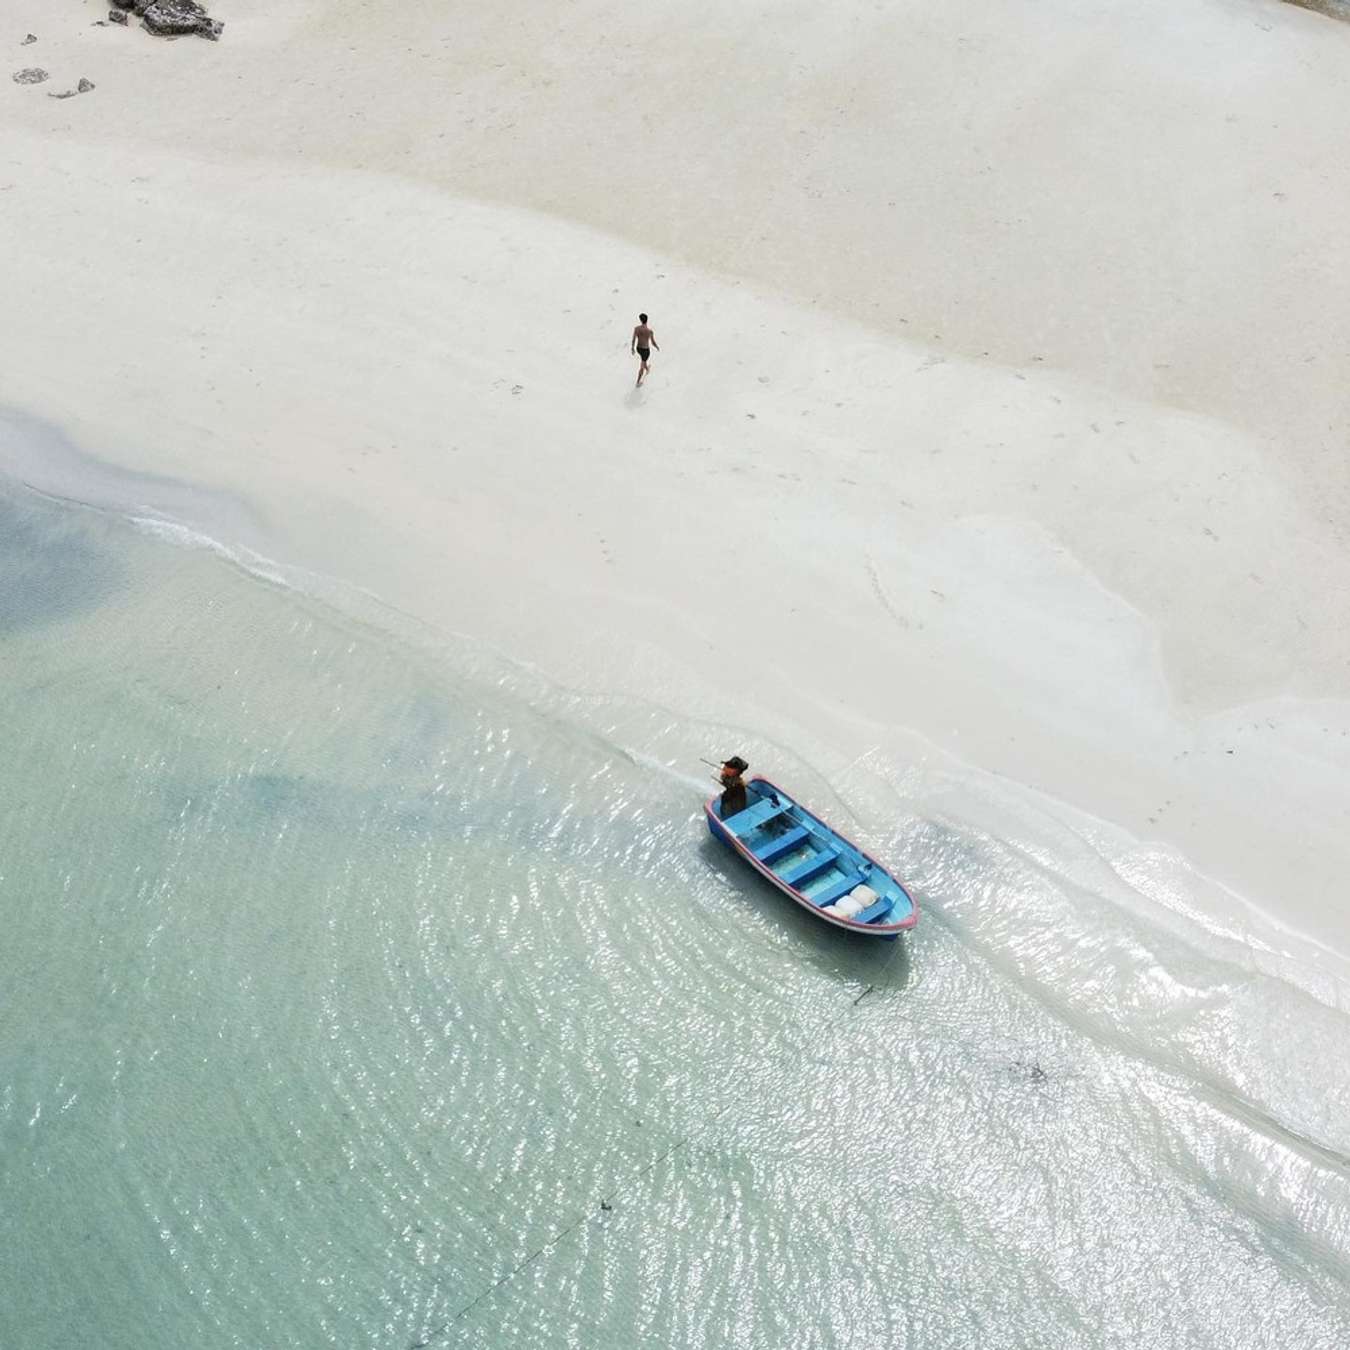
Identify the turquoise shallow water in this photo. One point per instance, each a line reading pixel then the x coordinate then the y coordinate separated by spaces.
pixel 364 991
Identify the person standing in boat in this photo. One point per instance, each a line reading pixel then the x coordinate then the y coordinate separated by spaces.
pixel 733 797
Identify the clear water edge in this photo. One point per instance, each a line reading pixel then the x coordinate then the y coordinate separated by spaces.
pixel 355 970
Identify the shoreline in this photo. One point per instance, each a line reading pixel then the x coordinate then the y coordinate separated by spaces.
pixel 1113 587
pixel 1178 890
pixel 411 908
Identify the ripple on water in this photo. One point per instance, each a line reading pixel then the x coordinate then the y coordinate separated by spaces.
pixel 373 1002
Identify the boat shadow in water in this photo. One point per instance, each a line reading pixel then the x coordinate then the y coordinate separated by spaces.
pixel 878 967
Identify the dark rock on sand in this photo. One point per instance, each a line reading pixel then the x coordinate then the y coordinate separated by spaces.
pixel 32 37
pixel 117 16
pixel 30 75
pixel 173 18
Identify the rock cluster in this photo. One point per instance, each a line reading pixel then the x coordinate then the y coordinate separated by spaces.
pixel 30 75
pixel 173 18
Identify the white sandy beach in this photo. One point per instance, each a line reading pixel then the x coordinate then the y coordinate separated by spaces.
pixel 1001 398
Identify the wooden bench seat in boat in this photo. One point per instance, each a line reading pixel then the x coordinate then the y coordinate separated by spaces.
pixel 834 890
pixel 760 813
pixel 781 844
pixel 808 867
pixel 882 905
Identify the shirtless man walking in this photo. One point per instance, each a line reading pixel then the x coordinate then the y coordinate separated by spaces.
pixel 643 342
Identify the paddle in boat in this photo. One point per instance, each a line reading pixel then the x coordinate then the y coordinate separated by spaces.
pixel 804 858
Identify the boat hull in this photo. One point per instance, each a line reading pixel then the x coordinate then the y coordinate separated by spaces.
pixel 789 833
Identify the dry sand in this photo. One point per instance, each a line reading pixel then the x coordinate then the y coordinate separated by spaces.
pixel 1001 397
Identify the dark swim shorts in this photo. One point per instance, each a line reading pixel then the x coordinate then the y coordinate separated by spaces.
pixel 644 352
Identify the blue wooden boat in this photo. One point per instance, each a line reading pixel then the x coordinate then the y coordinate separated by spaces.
pixel 813 864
